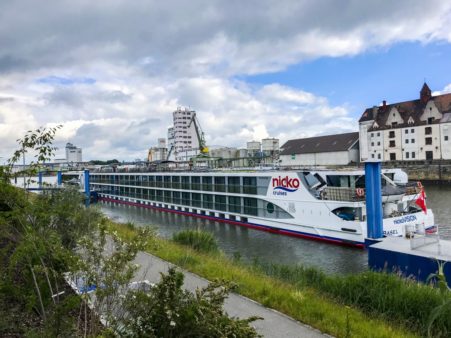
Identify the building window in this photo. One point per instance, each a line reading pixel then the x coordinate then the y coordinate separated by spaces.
pixel 430 120
pixel 413 154
pixel 372 144
pixel 407 154
pixel 391 134
pixel 406 131
pixel 372 155
pixel 428 140
pixel 392 143
pixel 394 124
pixel 412 130
pixel 446 137
pixel 379 156
pixel 372 134
pixel 378 134
pixel 378 143
pixel 392 156
pixel 407 140
pixel 428 130
pixel 412 140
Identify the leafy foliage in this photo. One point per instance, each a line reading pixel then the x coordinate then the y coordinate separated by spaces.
pixel 169 311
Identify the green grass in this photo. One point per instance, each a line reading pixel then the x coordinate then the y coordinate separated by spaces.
pixel 386 295
pixel 198 240
pixel 301 301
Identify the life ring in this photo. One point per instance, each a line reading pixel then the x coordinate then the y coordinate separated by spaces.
pixel 360 192
pixel 419 185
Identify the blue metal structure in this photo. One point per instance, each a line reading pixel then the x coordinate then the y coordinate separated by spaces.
pixel 87 190
pixel 40 179
pixel 59 177
pixel 373 187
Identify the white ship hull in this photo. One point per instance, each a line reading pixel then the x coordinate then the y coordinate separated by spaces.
pixel 278 202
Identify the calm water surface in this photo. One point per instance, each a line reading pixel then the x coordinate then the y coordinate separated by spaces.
pixel 253 244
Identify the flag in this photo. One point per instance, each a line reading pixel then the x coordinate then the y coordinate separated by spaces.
pixel 421 201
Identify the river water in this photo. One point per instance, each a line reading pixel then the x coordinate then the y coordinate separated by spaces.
pixel 252 244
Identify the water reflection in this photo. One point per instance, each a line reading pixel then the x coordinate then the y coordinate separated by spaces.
pixel 250 244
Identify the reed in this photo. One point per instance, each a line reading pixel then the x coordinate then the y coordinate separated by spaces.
pixel 198 240
pixel 386 295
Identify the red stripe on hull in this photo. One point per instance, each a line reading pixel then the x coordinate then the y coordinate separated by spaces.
pixel 247 225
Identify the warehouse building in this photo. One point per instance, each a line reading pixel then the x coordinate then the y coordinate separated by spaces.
pixel 329 150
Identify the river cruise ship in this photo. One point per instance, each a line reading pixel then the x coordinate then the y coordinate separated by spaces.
pixel 323 205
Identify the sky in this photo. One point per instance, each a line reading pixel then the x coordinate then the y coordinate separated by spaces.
pixel 111 72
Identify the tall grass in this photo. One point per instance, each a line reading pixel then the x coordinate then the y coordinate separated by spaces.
pixel 386 295
pixel 198 240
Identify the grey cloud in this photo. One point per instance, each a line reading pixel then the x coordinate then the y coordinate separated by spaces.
pixel 179 36
pixel 6 99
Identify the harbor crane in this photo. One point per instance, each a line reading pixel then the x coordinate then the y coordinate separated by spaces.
pixel 200 135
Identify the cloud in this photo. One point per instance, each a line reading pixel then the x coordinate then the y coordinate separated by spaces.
pixel 113 72
pixel 445 90
pixel 65 81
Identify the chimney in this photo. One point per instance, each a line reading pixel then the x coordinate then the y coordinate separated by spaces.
pixel 384 104
pixel 375 110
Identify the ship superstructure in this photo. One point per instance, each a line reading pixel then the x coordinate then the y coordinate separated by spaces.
pixel 323 205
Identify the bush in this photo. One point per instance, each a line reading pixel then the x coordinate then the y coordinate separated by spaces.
pixel 169 311
pixel 198 240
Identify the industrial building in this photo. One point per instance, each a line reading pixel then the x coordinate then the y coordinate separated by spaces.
pixel 407 131
pixel 183 142
pixel 73 154
pixel 339 149
pixel 158 153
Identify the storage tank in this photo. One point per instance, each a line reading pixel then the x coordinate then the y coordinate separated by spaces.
pixel 270 146
pixel 253 148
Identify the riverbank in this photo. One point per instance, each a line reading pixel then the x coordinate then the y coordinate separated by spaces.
pixel 304 301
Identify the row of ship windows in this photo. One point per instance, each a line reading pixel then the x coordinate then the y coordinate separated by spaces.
pixel 238 185
pixel 241 205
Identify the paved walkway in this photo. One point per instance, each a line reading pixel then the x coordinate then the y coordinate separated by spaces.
pixel 275 324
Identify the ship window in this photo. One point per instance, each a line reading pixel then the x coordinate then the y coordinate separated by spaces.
pixel 234 185
pixel 220 202
pixel 207 201
pixel 176 197
pixel 151 181
pixel 207 183
pixel 346 213
pixel 235 204
pixel 159 195
pixel 175 182
pixel 185 182
pixel 250 185
pixel 270 208
pixel 167 181
pixel 250 206
pixel 220 183
pixel 186 198
pixel 159 181
pixel 338 181
pixel 167 196
pixel 196 200
pixel 195 183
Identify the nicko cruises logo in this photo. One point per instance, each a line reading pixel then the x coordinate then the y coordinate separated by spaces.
pixel 282 186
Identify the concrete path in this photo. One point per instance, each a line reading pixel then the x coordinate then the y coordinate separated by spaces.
pixel 275 324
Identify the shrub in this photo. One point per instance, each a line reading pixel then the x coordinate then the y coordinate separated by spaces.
pixel 198 240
